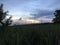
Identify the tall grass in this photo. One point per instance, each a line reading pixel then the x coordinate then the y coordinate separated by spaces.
pixel 48 34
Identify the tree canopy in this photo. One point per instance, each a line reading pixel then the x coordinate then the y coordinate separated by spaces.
pixel 57 16
pixel 3 15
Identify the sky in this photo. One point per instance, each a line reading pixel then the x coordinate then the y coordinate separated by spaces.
pixel 31 10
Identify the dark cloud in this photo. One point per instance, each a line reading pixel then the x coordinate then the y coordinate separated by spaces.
pixel 41 13
pixel 54 5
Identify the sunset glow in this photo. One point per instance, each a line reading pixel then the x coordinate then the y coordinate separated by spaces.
pixel 32 21
pixel 24 21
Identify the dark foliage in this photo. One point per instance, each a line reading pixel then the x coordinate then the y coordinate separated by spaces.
pixel 57 16
pixel 4 22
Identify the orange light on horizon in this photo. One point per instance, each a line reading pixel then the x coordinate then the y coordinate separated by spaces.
pixel 32 21
pixel 25 21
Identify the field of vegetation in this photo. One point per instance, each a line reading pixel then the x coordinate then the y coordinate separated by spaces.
pixel 35 34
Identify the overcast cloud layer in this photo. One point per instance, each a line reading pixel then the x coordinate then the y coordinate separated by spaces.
pixel 34 9
pixel 29 5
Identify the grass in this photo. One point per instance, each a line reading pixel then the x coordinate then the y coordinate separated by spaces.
pixel 34 34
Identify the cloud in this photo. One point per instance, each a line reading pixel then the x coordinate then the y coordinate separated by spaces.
pixel 41 13
pixel 44 8
pixel 29 5
pixel 45 19
pixel 54 5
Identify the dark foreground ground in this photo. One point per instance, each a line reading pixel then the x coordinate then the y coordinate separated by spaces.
pixel 35 34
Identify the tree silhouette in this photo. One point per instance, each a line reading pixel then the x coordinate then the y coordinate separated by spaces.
pixel 3 14
pixel 57 16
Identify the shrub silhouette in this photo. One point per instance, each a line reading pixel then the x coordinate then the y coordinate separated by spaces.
pixel 57 16
pixel 4 22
